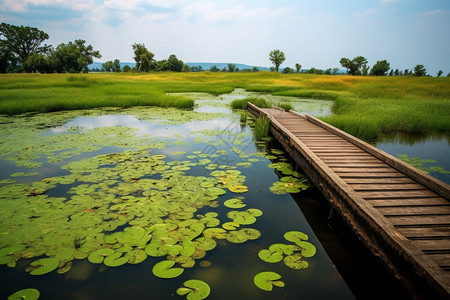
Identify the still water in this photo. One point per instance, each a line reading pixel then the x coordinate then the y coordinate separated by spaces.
pixel 74 182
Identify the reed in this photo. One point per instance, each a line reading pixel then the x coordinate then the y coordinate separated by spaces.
pixel 261 128
pixel 286 106
pixel 258 101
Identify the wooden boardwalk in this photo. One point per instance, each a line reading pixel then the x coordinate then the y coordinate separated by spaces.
pixel 400 213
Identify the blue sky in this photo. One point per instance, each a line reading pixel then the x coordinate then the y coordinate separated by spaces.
pixel 314 33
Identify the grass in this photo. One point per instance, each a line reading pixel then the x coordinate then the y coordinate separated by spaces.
pixel 261 128
pixel 258 101
pixel 365 106
pixel 285 105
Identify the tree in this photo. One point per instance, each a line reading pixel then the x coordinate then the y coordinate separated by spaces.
pixel 37 63
pixel 440 73
pixel 174 64
pixel 231 67
pixel 354 65
pixel 74 57
pixel 21 42
pixel 277 58
pixel 108 66
pixel 335 70
pixel 145 61
pixel 419 71
pixel 288 70
pixel 298 67
pixel 214 69
pixel 380 68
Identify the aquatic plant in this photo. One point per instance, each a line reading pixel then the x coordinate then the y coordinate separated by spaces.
pixel 261 128
pixel 286 106
pixel 420 163
pixel 194 289
pixel 28 294
pixel 258 101
pixel 266 280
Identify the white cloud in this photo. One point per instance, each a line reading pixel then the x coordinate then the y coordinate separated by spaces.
pixel 437 12
pixel 23 5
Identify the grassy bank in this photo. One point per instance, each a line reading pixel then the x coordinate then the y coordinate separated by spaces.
pixel 364 106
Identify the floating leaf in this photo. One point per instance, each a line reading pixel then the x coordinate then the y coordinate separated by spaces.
pixel 270 256
pixel 251 233
pixel 266 280
pixel 238 189
pixel 230 225
pixel 136 256
pixel 234 203
pixel 204 243
pixel 164 269
pixel 43 266
pixel 237 236
pixel 97 256
pixel 185 261
pixel 295 261
pixel 295 236
pixel 217 233
pixel 194 289
pixel 307 249
pixel 28 294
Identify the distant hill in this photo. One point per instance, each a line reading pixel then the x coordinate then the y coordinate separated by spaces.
pixel 205 66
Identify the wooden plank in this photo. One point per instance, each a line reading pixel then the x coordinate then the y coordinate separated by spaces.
pixel 363 170
pixel 387 186
pixel 443 260
pixel 397 194
pixel 425 232
pixel 350 164
pixel 392 174
pixel 420 220
pixel 408 202
pixel 434 245
pixel 414 210
pixel 378 180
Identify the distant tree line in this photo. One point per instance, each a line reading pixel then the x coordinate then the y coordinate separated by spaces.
pixel 355 66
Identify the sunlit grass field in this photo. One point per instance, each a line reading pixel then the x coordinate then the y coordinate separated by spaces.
pixel 365 106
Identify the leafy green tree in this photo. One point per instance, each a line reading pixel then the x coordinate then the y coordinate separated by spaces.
pixel 174 64
pixel 231 68
pixel 74 57
pixel 186 68
pixel 439 73
pixel 108 66
pixel 335 70
pixel 298 67
pixel 419 71
pixel 5 58
pixel 380 68
pixel 288 70
pixel 356 64
pixel 214 69
pixel 277 58
pixel 126 68
pixel 37 63
pixel 22 41
pixel 145 61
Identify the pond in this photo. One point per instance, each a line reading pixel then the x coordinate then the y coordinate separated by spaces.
pixel 136 203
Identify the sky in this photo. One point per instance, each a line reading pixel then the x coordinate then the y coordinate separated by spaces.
pixel 314 33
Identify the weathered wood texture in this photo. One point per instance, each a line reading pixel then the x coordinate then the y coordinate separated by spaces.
pixel 400 213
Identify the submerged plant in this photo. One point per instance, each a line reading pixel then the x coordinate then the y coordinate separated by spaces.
pixel 420 163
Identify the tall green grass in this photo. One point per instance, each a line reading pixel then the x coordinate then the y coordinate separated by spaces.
pixel 365 106
pixel 261 128
pixel 258 101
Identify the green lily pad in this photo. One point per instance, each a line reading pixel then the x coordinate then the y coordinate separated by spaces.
pixel 251 233
pixel 136 256
pixel 270 256
pixel 188 248
pixel 307 249
pixel 295 261
pixel 28 294
pixel 164 269
pixel 217 233
pixel 241 217
pixel 98 255
pixel 285 249
pixel 185 261
pixel 254 212
pixel 266 280
pixel 238 189
pixel 215 191
pixel 234 203
pixel 295 236
pixel 205 243
pixel 237 236
pixel 43 266
pixel 230 225
pixel 194 289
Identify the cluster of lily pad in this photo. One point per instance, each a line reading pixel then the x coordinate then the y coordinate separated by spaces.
pixel 291 254
pixel 121 207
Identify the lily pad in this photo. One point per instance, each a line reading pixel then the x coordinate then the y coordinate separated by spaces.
pixel 136 256
pixel 270 256
pixel 238 189
pixel 97 256
pixel 230 225
pixel 237 236
pixel 266 280
pixel 28 294
pixel 307 249
pixel 43 266
pixel 234 203
pixel 164 269
pixel 251 233
pixel 295 261
pixel 194 289
pixel 217 233
pixel 295 236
